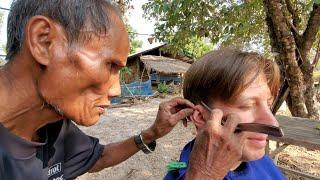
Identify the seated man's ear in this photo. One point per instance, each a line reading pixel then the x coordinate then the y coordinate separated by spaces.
pixel 198 117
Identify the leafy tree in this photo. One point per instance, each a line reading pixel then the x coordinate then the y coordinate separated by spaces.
pixel 197 47
pixel 123 72
pixel 134 43
pixel 287 30
pixel 124 6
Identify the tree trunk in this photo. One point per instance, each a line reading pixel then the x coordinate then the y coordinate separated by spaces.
pixel 284 44
pixel 307 67
pixel 309 91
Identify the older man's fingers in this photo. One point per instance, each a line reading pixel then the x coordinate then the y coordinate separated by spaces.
pixel 185 122
pixel 182 114
pixel 178 101
pixel 232 122
pixel 214 118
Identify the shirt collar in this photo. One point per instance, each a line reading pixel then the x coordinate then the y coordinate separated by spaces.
pixel 18 147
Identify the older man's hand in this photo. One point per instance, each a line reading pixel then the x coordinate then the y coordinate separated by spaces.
pixel 217 148
pixel 169 114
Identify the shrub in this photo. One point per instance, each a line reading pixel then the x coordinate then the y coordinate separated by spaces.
pixel 163 88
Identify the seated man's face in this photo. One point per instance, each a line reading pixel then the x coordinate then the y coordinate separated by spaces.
pixel 252 106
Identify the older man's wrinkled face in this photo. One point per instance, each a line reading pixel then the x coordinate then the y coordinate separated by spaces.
pixel 83 77
pixel 252 106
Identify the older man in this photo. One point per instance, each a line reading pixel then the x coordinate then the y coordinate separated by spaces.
pixel 64 61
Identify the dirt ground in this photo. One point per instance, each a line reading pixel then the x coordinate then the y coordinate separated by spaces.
pixel 120 123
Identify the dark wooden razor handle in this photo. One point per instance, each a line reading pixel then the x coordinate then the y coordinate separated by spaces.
pixel 260 128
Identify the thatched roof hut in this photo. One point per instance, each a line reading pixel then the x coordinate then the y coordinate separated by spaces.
pixel 157 64
pixel 164 65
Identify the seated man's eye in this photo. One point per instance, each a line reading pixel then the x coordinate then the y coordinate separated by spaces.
pixel 270 102
pixel 246 106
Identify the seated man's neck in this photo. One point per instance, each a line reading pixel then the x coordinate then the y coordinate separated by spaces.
pixel 22 111
pixel 236 166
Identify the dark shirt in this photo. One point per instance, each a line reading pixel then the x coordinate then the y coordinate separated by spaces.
pixel 262 169
pixel 66 152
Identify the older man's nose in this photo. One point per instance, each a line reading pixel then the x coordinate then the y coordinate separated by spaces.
pixel 115 88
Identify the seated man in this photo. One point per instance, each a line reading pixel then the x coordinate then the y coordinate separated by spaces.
pixel 240 88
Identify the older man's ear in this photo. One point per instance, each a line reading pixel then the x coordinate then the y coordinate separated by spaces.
pixel 42 36
pixel 198 117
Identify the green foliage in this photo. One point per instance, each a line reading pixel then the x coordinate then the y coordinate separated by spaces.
pixel 163 88
pixel 223 22
pixel 197 47
pixel 134 43
pixel 123 72
pixel 124 5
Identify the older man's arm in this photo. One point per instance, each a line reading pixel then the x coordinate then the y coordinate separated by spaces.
pixel 118 152
pixel 169 114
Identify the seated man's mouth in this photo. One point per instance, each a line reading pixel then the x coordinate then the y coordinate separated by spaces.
pixel 258 141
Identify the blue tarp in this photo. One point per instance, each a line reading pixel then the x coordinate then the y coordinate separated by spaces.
pixel 166 78
pixel 136 88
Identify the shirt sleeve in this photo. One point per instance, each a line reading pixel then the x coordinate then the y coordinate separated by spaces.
pixel 81 152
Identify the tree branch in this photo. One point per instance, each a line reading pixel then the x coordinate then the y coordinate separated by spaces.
pixel 309 36
pixel 293 12
pixel 293 22
pixel 317 57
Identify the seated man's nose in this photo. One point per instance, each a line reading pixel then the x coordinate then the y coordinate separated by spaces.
pixel 266 117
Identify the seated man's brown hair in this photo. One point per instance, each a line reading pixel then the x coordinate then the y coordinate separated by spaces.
pixel 223 74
